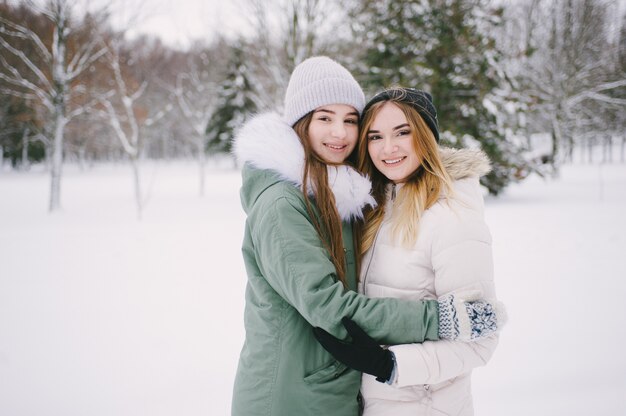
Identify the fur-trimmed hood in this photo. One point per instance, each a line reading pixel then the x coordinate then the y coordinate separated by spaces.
pixel 464 163
pixel 266 142
pixel 465 167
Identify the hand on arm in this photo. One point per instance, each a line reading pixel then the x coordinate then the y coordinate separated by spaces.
pixel 362 353
pixel 460 318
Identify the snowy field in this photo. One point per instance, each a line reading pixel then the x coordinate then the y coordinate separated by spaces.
pixel 102 314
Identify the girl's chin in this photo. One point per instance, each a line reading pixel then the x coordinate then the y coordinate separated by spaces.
pixel 334 161
pixel 334 157
pixel 393 176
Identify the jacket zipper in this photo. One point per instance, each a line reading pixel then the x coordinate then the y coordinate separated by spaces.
pixel 367 269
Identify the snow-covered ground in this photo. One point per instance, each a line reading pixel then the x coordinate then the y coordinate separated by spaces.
pixel 102 314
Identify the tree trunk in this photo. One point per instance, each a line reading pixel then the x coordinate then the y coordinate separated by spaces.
pixel 556 140
pixel 609 142
pixel 1 158
pixel 569 152
pixel 57 163
pixel 25 162
pixel 82 156
pixel 202 166
pixel 137 185
pixel 59 80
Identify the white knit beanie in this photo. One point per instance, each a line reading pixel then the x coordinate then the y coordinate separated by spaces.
pixel 320 81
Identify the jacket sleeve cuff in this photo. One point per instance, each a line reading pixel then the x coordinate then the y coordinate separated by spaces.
pixel 410 368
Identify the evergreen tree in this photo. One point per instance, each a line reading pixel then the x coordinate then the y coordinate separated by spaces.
pixel 444 47
pixel 17 129
pixel 236 103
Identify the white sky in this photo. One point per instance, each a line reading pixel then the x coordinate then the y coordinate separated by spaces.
pixel 180 22
pixel 177 23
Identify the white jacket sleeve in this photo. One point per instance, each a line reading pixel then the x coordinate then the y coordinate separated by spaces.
pixel 461 260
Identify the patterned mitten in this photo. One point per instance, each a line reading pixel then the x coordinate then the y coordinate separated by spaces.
pixel 466 318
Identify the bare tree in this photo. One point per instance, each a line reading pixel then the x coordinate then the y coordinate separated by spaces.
pixel 197 101
pixel 50 78
pixel 286 33
pixel 127 117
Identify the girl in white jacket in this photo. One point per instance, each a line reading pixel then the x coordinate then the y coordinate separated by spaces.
pixel 426 239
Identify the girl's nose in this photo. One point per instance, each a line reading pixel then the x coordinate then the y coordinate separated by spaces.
pixel 339 130
pixel 388 146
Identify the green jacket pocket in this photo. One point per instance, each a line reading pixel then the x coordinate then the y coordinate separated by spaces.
pixel 330 372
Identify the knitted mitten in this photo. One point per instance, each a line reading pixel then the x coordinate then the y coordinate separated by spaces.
pixel 464 317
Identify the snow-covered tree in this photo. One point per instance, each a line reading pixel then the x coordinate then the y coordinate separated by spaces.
pixel 286 32
pixel 444 47
pixel 235 103
pixel 563 65
pixel 50 75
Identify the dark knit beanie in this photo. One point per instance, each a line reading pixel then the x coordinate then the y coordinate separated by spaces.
pixel 421 101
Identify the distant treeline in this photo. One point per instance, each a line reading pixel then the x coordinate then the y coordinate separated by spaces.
pixel 72 88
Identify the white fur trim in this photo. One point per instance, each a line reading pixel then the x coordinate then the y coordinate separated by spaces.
pixel 351 190
pixel 268 142
pixel 464 163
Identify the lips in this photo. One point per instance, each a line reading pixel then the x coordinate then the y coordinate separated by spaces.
pixel 336 146
pixel 391 162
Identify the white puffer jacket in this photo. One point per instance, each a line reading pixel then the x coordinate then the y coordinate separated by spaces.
pixel 452 254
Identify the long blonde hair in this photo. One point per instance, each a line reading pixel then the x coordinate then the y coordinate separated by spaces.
pixel 326 221
pixel 420 191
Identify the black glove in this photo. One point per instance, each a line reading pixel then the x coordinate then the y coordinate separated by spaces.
pixel 362 354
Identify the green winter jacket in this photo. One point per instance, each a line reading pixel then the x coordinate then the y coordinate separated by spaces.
pixel 292 287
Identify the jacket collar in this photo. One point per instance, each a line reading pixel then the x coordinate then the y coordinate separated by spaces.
pixel 267 142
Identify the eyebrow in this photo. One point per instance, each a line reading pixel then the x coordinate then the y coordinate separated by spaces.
pixel 323 110
pixel 395 128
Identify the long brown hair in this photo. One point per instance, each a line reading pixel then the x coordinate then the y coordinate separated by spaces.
pixel 421 190
pixel 326 220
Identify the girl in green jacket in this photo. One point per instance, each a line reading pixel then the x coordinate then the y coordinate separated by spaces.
pixel 301 197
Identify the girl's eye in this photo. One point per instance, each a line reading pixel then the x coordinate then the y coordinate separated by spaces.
pixel 352 121
pixel 323 118
pixel 404 132
pixel 373 137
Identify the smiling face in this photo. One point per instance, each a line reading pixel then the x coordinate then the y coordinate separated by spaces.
pixel 390 144
pixel 333 132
